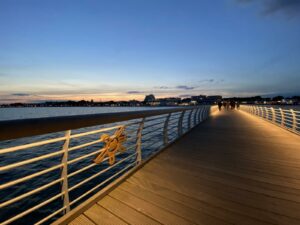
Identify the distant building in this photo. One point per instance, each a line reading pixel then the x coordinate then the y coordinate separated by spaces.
pixel 186 101
pixel 213 99
pixel 167 101
pixel 198 99
pixel 149 98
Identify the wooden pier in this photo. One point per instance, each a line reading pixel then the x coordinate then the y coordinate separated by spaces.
pixel 234 168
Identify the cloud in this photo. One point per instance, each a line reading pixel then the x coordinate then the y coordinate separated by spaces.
pixel 184 96
pixel 288 7
pixel 207 81
pixel 134 92
pixel 163 87
pixel 20 94
pixel 185 87
pixel 181 87
pixel 291 7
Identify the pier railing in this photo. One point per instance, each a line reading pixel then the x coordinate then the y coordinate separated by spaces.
pixel 48 166
pixel 286 118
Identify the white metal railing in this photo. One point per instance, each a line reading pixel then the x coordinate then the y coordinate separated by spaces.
pixel 44 178
pixel 286 118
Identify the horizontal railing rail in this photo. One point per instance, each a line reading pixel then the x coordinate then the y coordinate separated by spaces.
pixel 11 129
pixel 44 177
pixel 288 119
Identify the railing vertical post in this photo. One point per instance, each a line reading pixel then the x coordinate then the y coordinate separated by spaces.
pixel 273 114
pixel 165 131
pixel 195 116
pixel 138 147
pixel 282 117
pixel 200 114
pixel 260 111
pixel 190 119
pixel 294 119
pixel 266 113
pixel 64 172
pixel 180 123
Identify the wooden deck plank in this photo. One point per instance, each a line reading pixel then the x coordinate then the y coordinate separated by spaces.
pixel 128 214
pixel 82 220
pixel 272 204
pixel 101 216
pixel 232 179
pixel 153 211
pixel 240 198
pixel 232 169
pixel 218 211
pixel 195 214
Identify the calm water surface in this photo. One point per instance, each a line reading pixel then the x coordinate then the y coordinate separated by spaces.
pixel 37 112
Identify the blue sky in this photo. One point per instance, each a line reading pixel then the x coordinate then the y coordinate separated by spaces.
pixel 124 49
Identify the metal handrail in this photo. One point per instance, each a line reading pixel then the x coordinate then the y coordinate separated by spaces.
pixel 12 129
pixel 154 122
pixel 288 119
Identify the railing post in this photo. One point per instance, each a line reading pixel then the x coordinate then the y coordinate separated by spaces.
pixel 200 114
pixel 195 116
pixel 138 147
pixel 189 119
pixel 273 114
pixel 294 119
pixel 282 117
pixel 267 113
pixel 257 110
pixel 64 172
pixel 165 131
pixel 260 111
pixel 180 123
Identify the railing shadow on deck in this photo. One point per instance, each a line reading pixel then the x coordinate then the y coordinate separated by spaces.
pixel 74 157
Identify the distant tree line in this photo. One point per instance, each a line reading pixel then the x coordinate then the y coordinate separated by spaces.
pixel 150 100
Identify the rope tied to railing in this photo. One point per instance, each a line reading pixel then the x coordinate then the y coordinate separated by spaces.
pixel 113 144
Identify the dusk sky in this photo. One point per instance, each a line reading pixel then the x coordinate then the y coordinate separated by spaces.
pixel 124 49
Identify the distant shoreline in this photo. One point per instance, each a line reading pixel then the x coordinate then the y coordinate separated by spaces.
pixel 148 106
pixel 151 101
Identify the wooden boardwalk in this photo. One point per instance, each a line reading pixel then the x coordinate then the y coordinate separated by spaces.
pixel 232 169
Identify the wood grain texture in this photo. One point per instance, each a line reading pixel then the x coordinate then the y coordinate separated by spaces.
pixel 101 216
pixel 232 169
pixel 82 220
